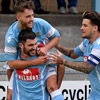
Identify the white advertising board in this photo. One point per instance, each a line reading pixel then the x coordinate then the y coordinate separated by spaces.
pixel 3 89
pixel 75 90
pixel 72 90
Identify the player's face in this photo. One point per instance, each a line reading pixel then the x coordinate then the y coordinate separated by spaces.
pixel 87 29
pixel 30 47
pixel 26 19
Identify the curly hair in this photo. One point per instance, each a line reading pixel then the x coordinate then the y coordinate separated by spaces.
pixel 94 17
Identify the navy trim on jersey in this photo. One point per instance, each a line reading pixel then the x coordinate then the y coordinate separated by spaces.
pixel 91 55
pixel 91 62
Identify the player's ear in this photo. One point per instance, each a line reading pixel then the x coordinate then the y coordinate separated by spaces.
pixel 95 28
pixel 20 45
pixel 18 16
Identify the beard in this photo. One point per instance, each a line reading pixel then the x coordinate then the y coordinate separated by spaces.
pixel 88 36
pixel 25 25
pixel 28 52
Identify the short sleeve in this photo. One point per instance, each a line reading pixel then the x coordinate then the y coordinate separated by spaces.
pixel 79 50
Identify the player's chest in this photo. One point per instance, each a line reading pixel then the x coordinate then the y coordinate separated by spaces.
pixel 87 51
pixel 40 33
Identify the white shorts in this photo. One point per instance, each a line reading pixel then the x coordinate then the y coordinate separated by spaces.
pixel 11 81
pixel 51 71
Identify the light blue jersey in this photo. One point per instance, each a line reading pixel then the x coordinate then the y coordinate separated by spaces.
pixel 30 83
pixel 91 53
pixel 35 76
pixel 40 27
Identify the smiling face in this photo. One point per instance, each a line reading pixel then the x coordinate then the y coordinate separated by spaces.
pixel 29 47
pixel 25 19
pixel 87 29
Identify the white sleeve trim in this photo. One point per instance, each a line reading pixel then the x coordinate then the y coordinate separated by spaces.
pixel 81 47
pixel 10 50
pixel 51 32
pixel 96 52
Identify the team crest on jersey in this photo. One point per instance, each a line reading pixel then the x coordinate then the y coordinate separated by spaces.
pixel 38 34
pixel 98 42
pixel 85 58
pixel 29 74
pixel 9 39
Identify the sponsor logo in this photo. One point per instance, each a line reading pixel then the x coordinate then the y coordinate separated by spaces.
pixel 30 74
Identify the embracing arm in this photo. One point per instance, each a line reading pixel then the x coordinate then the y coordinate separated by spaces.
pixel 52 43
pixel 20 64
pixel 43 50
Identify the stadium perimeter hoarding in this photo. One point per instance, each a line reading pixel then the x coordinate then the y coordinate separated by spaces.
pixel 71 90
pixel 75 90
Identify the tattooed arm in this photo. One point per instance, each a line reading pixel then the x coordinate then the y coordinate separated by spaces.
pixel 80 66
pixel 66 51
pixel 85 67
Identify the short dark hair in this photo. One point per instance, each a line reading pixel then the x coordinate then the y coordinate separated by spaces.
pixel 94 17
pixel 26 34
pixel 21 5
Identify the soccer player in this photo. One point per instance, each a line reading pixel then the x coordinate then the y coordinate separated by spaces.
pixel 30 83
pixel 25 17
pixel 89 49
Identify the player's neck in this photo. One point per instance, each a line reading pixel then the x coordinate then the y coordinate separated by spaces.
pixel 24 56
pixel 94 38
pixel 20 26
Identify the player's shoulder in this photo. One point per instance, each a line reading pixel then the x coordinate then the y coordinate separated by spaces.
pixel 40 21
pixel 97 41
pixel 85 42
pixel 12 29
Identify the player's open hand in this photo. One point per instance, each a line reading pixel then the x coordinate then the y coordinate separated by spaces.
pixel 56 59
